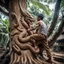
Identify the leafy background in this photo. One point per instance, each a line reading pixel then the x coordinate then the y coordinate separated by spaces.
pixel 34 7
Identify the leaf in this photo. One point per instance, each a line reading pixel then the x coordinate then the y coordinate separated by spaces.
pixel 42 6
pixel 62 3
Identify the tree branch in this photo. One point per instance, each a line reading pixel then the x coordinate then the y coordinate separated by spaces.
pixel 3 4
pixel 24 6
pixel 4 11
pixel 57 33
pixel 54 21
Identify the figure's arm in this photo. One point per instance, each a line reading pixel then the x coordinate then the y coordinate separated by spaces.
pixel 37 23
pixel 32 28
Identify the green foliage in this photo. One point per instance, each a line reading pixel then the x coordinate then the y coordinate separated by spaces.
pixel 62 7
pixel 34 10
pixel 4 37
pixel 38 4
pixel 4 25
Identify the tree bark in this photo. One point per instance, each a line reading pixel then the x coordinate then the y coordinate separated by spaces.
pixel 57 33
pixel 21 49
pixel 54 21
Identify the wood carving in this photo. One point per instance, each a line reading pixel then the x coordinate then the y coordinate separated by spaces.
pixel 23 50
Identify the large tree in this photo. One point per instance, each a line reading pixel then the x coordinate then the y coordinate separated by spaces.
pixel 21 48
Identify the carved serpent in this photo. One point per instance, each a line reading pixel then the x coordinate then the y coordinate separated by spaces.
pixel 25 46
pixel 24 40
pixel 21 31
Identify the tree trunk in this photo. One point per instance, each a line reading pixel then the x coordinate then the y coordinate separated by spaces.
pixel 57 33
pixel 21 49
pixel 54 21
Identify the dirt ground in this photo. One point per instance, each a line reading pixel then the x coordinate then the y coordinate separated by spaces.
pixel 54 55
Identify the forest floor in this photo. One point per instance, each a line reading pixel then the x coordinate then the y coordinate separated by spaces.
pixel 58 57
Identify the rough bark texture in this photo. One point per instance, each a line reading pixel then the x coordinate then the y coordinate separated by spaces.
pixel 57 33
pixel 22 48
pixel 54 21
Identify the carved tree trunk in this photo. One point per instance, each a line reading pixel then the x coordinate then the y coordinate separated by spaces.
pixel 21 49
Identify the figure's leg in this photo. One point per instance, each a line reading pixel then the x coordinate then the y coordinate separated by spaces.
pixel 41 49
pixel 46 47
pixel 33 41
pixel 37 37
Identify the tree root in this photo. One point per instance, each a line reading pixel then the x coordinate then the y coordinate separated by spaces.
pixel 16 49
pixel 15 58
pixel 18 59
pixel 25 46
pixel 12 57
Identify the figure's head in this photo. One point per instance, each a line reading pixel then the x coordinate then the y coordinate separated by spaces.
pixel 40 17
